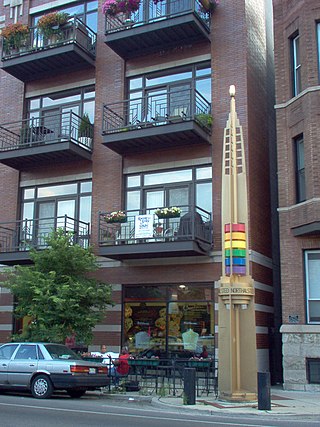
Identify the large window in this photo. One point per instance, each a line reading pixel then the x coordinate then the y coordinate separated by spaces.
pixel 45 208
pixel 312 269
pixel 300 170
pixel 182 92
pixel 296 65
pixel 78 100
pixel 179 187
pixel 172 319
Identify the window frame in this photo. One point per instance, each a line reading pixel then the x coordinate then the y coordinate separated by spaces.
pixel 307 285
pixel 300 176
pixel 295 64
pixel 318 46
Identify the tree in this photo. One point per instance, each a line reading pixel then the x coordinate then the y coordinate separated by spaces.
pixel 57 293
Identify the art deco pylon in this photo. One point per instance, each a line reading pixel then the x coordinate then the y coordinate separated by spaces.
pixel 237 328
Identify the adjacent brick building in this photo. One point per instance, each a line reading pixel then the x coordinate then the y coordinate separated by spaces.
pixel 155 84
pixel 297 53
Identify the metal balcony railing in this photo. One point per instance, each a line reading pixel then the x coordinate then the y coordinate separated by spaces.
pixel 169 106
pixel 150 13
pixel 32 233
pixel 193 223
pixel 49 129
pixel 74 31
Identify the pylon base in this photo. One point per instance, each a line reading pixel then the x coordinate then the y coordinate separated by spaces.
pixel 238 396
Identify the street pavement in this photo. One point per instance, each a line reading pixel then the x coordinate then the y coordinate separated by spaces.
pixel 287 403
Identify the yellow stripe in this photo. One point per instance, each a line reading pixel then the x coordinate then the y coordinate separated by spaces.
pixel 236 244
pixel 236 235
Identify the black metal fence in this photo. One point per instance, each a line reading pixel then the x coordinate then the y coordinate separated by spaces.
pixel 193 223
pixel 32 233
pixel 166 376
pixel 149 12
pixel 48 129
pixel 74 31
pixel 165 107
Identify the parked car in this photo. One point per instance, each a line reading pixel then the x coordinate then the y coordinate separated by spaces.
pixel 43 368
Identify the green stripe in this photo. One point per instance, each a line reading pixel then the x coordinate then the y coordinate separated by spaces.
pixel 236 252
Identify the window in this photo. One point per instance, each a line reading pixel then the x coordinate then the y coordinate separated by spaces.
pixel 300 170
pixel 312 271
pixel 313 371
pixel 296 65
pixel 173 319
pixel 181 92
pixel 318 42
pixel 45 208
pixel 179 187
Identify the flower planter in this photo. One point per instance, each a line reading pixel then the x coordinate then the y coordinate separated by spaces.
pixel 171 215
pixel 115 220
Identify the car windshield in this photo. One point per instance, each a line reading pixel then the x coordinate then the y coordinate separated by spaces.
pixel 57 351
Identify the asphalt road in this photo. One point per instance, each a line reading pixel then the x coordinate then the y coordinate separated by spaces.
pixel 94 411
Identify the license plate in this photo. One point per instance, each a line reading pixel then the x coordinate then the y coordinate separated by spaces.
pixel 92 370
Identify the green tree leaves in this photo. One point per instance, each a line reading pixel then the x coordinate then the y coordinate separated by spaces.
pixel 58 293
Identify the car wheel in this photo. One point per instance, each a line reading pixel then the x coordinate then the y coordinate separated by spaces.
pixel 41 387
pixel 76 393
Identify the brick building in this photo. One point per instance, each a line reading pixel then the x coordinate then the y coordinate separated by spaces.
pixel 297 68
pixel 155 85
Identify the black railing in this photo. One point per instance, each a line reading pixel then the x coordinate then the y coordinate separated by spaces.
pixel 193 223
pixel 32 233
pixel 74 31
pixel 168 107
pixel 49 129
pixel 166 376
pixel 149 12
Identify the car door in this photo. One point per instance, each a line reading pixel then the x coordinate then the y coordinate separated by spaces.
pixel 22 366
pixel 6 352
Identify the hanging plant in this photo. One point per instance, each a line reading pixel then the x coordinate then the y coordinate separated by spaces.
pixel 114 7
pixel 50 23
pixel 15 35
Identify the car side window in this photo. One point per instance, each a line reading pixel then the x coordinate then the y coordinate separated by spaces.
pixel 26 352
pixel 7 351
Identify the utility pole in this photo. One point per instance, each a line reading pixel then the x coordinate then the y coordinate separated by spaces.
pixel 237 377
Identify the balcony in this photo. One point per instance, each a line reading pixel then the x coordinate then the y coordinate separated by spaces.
pixel 169 118
pixel 144 235
pixel 44 140
pixel 18 237
pixel 71 50
pixel 154 28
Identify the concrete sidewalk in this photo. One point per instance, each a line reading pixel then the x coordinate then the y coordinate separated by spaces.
pixel 289 403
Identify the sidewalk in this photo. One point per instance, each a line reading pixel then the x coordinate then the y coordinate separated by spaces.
pixel 282 403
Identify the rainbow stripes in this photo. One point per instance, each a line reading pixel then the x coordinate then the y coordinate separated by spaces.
pixel 235 247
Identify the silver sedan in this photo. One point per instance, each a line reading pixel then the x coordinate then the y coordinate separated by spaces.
pixel 44 367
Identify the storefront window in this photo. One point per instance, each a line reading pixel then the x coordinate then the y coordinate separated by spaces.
pixel 173 321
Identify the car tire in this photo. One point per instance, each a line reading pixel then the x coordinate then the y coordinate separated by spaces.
pixel 76 393
pixel 41 387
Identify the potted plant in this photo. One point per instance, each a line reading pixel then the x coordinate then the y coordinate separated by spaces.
pixel 15 37
pixel 85 130
pixel 172 212
pixel 204 119
pixel 114 7
pixel 49 25
pixel 116 216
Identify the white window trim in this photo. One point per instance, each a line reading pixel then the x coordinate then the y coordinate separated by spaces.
pixel 307 285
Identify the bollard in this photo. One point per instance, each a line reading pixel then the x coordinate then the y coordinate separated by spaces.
pixel 264 398
pixel 189 386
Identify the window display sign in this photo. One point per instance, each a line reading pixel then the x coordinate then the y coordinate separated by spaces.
pixel 143 226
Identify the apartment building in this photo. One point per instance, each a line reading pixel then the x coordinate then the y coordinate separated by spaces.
pixel 112 118
pixel 297 68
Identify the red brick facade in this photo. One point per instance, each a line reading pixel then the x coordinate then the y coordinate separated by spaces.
pixel 241 54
